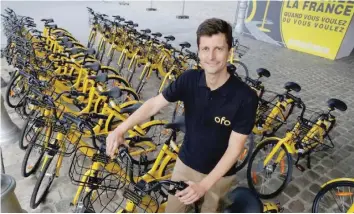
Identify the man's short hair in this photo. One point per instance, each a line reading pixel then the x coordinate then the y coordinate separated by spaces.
pixel 214 26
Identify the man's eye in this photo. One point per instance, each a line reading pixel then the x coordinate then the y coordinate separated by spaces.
pixel 219 49
pixel 205 49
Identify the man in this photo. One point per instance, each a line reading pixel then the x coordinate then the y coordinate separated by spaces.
pixel 219 114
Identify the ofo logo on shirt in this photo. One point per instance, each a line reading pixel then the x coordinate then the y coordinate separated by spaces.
pixel 222 121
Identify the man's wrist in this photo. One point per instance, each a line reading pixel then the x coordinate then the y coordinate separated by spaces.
pixel 120 130
pixel 207 183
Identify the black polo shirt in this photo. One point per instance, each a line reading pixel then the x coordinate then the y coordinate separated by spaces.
pixel 210 116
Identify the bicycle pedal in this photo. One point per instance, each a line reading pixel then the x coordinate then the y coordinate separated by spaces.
pixel 299 167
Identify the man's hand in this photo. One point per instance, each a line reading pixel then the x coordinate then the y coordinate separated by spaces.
pixel 114 139
pixel 192 193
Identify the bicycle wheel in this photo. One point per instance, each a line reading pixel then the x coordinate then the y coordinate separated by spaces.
pixel 265 181
pixel 31 160
pixel 14 90
pixel 336 197
pixel 241 70
pixel 246 153
pixel 28 133
pixel 120 81
pixel 45 180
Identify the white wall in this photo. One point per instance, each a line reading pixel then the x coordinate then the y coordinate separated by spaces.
pixel 347 45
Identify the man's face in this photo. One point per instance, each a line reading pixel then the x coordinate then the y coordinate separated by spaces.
pixel 213 53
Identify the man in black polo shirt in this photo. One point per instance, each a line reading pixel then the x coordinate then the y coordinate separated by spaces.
pixel 219 113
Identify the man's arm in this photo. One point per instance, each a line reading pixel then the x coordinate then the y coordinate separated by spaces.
pixel 228 160
pixel 175 91
pixel 150 107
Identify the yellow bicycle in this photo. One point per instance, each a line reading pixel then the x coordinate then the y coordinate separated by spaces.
pixel 270 166
pixel 335 196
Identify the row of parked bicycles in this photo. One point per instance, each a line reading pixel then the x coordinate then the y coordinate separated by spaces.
pixel 71 99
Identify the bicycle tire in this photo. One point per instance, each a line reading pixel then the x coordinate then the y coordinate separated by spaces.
pixel 24 134
pixel 116 76
pixel 8 92
pixel 25 161
pixel 33 202
pixel 288 173
pixel 26 111
pixel 249 153
pixel 87 206
pixel 328 188
pixel 241 70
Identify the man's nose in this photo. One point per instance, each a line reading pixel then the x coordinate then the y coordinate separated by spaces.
pixel 211 55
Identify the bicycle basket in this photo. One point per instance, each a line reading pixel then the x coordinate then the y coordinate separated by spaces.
pixel 113 201
pixel 267 120
pixel 116 200
pixel 310 135
pixel 89 167
pixel 48 134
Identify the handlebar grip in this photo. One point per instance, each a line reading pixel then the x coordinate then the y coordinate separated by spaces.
pixel 182 185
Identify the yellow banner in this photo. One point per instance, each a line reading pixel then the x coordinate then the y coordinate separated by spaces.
pixel 315 27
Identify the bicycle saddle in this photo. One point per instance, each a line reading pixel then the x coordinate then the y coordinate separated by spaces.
pixel 262 72
pixel 169 38
pixel 120 19
pixel 112 93
pixel 47 21
pixel 185 45
pixel 51 25
pixel 99 78
pixel 131 109
pixel 129 22
pixel 75 50
pixel 68 44
pixel 157 34
pixel 59 34
pixel 96 66
pixel 244 201
pixel 292 86
pixel 146 31
pixel 63 39
pixel 336 104
pixel 177 124
pixel 90 51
